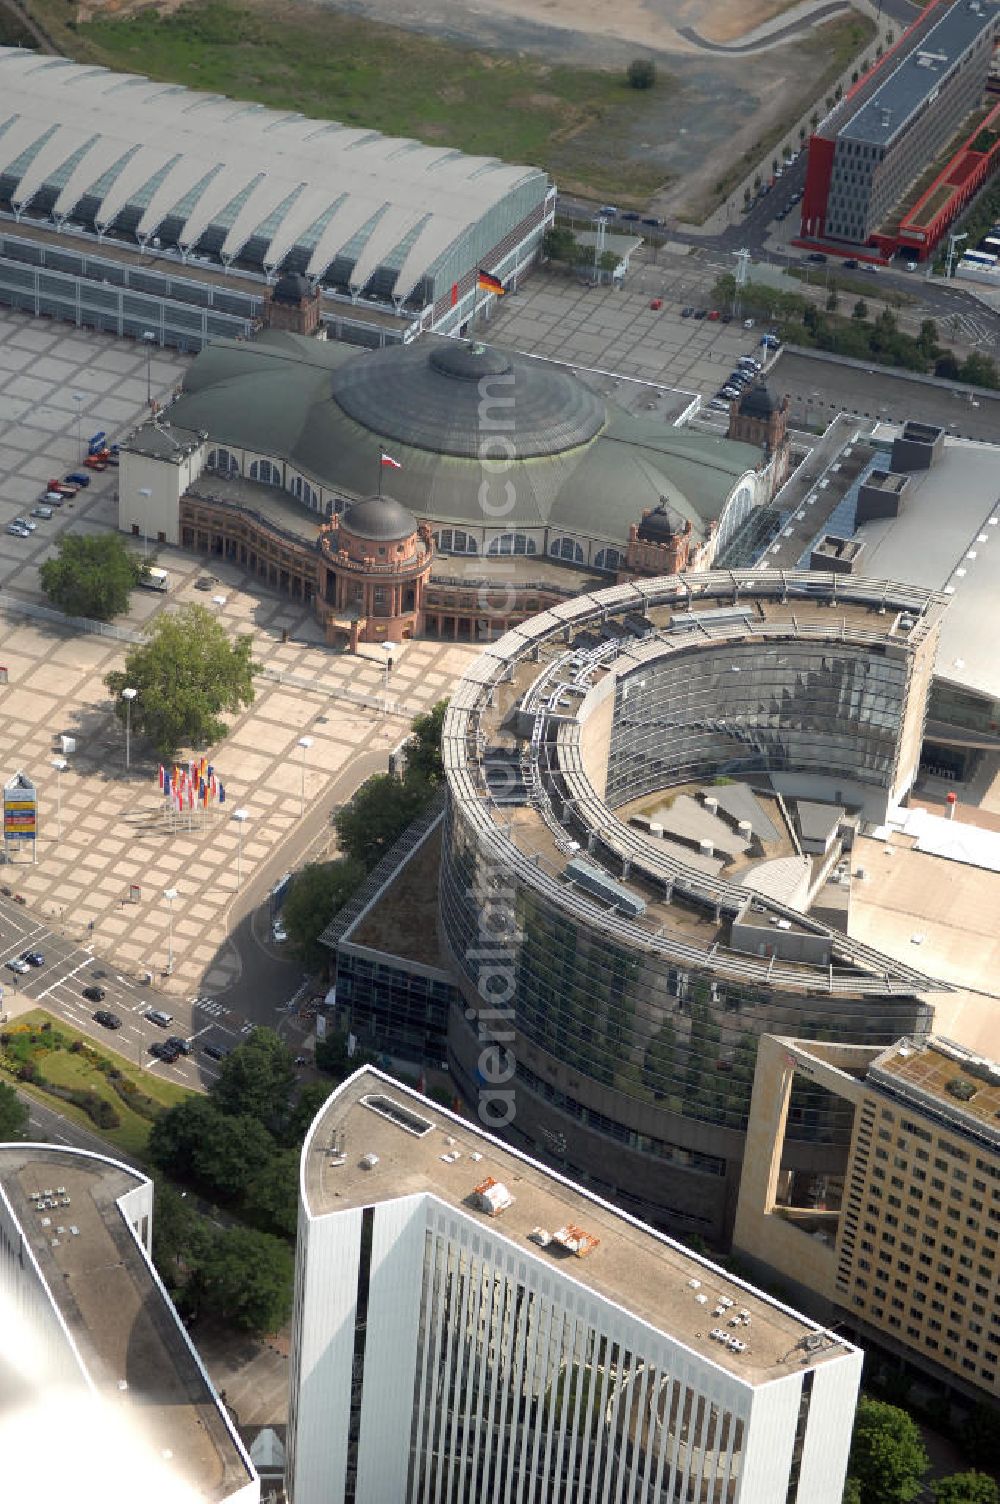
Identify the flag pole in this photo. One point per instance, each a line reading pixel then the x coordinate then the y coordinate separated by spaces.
pixel 380 469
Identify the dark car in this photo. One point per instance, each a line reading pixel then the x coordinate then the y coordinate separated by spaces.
pixel 727 318
pixel 630 215
pixel 33 957
pixel 94 994
pixel 78 478
pixel 164 1050
pixel 700 313
pixel 106 1019
pixel 816 256
pixel 852 265
pixel 686 312
pixel 655 224
pixel 215 1051
pixel 180 1045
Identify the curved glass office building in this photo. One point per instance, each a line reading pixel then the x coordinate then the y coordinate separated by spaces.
pixel 652 794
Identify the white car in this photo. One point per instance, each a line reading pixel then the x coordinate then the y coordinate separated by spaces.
pixel 25 523
pixel 279 934
pixel 16 964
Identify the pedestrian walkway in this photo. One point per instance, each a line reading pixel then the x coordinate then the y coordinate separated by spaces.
pixel 107 852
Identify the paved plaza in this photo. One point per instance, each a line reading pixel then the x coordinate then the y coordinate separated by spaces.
pixel 102 829
pixel 615 329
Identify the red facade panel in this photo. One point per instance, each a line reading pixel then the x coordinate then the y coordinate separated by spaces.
pixel 817 185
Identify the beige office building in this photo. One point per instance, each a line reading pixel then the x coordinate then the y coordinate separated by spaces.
pixel 905 1247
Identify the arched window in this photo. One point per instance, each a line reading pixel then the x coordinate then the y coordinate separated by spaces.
pixel 455 541
pixel 566 548
pixel 265 472
pixel 305 493
pixel 512 543
pixel 610 559
pixel 223 462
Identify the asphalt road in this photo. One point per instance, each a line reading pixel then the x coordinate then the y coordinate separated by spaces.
pixel 58 987
pixel 51 1128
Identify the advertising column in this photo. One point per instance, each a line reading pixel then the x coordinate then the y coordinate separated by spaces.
pixel 20 813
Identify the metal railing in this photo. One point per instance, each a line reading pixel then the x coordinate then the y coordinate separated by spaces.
pixel 12 605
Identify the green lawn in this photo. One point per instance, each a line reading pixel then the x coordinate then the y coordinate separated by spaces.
pixel 335 66
pixel 65 1069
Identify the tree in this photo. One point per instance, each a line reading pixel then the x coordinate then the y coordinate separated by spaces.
pixel 332 1057
pixel 257 1079
pixel 309 1101
pixel 13 1115
pixel 317 892
pixel 980 1436
pixel 423 750
pixel 228 1159
pixel 176 1134
pixel 832 299
pixel 860 310
pixel 852 1492
pixel 966 1488
pixel 559 244
pixel 947 367
pixel 244 1278
pixel 641 73
pixel 980 370
pixel 271 1197
pixel 185 675
pixel 887 1454
pixel 91 576
pixel 378 814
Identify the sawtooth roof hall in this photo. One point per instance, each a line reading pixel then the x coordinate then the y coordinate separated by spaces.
pixel 152 164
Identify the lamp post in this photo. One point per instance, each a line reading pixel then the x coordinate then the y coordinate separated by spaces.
pixel 170 894
pixel 78 399
pixel 240 816
pixel 953 241
pixel 388 648
pixel 60 765
pixel 128 695
pixel 149 340
pixel 305 742
pixel 145 493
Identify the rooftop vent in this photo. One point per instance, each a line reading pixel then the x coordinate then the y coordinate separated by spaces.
pixel 410 1122
pixel 575 1240
pixel 492 1197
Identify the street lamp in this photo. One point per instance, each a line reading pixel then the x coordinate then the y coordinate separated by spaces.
pixel 388 649
pixel 305 742
pixel 240 816
pixel 170 894
pixel 149 340
pixel 60 764
pixel 145 493
pixel 77 398
pixel 128 695
pixel 953 241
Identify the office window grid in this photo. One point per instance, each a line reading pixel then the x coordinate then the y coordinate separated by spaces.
pixel 519 1395
pixel 955 1249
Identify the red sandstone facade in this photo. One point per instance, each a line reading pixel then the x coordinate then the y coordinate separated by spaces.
pixel 372 589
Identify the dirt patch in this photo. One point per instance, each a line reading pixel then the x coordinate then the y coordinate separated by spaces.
pixel 727 23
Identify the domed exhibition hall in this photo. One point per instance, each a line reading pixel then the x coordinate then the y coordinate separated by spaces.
pixel 497 454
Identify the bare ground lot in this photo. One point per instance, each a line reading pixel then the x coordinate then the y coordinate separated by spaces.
pixel 540 81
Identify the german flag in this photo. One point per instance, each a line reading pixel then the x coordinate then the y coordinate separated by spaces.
pixel 489 283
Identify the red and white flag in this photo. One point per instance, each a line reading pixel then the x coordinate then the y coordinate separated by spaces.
pixel 388 461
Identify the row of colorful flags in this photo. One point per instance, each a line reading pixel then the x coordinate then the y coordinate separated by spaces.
pixel 191 783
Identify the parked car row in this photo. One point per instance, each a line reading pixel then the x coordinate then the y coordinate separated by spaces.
pixel 630 216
